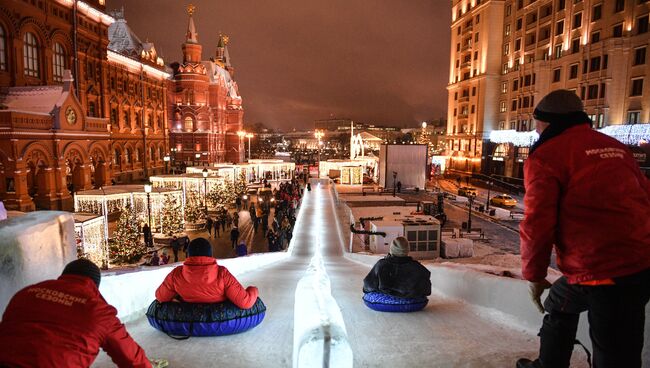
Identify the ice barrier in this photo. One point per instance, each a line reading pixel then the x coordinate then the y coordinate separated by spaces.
pixel 33 248
pixel 131 292
pixel 319 335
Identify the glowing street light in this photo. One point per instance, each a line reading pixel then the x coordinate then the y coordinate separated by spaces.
pixel 166 159
pixel 249 136
pixel 198 156
pixel 241 135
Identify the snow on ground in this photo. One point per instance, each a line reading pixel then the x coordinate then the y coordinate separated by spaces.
pixel 448 333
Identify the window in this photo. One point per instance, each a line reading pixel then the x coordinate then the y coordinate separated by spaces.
pixel 573 71
pixel 515 85
pixel 582 93
pixel 557 75
pixel 595 36
pixel 91 109
pixel 473 109
pixel 617 31
pixel 458 30
pixel 58 61
pixel 558 51
pixel 561 4
pixel 507 30
pixel 619 6
pixel 637 87
pixel 455 96
pixel 527 80
pixel 605 61
pixel 639 56
pixel 597 12
pixel 476 37
pixel 600 120
pixel 473 91
pixel 30 55
pixel 505 68
pixel 577 20
pixel 585 66
pixel 502 106
pixel 519 24
pixel 594 64
pixel 457 47
pixel 475 55
pixel 642 25
pixel 602 90
pixel 518 44
pixel 422 240
pixel 592 92
pixel 457 63
pixel 513 107
pixel 633 117
pixel 128 156
pixel 575 45
pixel 113 117
pixel 3 49
pixel 189 124
pixel 508 10
pixel 506 49
pixel 520 4
pixel 455 112
pixel 504 87
pixel 559 28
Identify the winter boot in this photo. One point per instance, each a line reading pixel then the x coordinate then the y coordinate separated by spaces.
pixel 527 363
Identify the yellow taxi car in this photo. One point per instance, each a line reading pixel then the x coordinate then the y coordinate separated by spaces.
pixel 503 200
pixel 467 192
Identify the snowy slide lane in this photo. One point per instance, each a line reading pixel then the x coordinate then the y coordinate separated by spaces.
pixel 268 345
pixel 448 333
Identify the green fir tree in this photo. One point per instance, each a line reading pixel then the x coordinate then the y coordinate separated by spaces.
pixel 125 245
pixel 194 210
pixel 172 220
pixel 240 187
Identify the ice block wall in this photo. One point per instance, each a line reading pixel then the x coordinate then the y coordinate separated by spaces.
pixel 33 248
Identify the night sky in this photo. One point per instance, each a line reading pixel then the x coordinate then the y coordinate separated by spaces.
pixel 376 61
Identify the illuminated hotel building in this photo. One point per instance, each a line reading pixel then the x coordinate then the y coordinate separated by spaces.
pixel 508 54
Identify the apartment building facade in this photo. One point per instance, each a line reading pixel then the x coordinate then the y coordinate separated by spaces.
pixel 597 48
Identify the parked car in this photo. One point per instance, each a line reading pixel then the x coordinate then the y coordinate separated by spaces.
pixel 503 200
pixel 467 191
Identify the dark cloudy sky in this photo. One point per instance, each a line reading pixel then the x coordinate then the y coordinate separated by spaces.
pixel 379 61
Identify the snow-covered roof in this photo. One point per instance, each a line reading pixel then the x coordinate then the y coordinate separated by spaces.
pixel 122 39
pixel 369 137
pixel 33 99
pixel 217 73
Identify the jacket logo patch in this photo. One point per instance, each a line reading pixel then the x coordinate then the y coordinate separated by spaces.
pixel 608 152
pixel 56 296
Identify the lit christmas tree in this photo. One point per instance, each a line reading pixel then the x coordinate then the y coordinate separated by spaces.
pixel 193 208
pixel 172 221
pixel 240 185
pixel 125 246
pixel 219 197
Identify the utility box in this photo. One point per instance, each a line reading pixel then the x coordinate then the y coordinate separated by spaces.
pixel 428 208
pixel 422 233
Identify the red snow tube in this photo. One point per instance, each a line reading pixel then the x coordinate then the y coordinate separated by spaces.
pixel 182 320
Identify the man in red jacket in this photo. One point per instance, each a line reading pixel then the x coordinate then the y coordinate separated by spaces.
pixel 201 280
pixel 64 322
pixel 585 196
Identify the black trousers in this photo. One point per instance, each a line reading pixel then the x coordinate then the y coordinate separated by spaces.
pixel 616 315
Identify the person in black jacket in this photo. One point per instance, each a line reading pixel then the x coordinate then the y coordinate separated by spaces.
pixel 399 275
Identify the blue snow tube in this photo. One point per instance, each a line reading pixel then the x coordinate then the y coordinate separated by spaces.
pixel 387 303
pixel 182 320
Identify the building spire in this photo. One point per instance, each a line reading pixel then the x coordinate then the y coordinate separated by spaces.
pixel 192 35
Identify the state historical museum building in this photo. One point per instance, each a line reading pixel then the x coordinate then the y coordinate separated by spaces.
pixel 109 115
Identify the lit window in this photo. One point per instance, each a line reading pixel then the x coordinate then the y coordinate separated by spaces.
pixel 3 49
pixel 189 124
pixel 30 55
pixel 58 61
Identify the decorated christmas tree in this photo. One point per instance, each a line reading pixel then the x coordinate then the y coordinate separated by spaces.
pixel 219 198
pixel 194 210
pixel 240 184
pixel 125 245
pixel 172 221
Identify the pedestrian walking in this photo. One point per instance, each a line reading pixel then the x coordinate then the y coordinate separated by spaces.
pixel 235 219
pixel 238 203
pixel 208 224
pixel 148 237
pixel 234 236
pixel 216 226
pixel 176 246
pixel 587 198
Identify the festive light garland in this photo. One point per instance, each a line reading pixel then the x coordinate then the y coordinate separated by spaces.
pixel 630 134
pixel 519 139
pixel 91 241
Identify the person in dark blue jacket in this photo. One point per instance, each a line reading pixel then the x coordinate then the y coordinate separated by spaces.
pixel 399 275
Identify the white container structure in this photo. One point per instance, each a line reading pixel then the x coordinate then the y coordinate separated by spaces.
pixel 422 233
pixel 407 161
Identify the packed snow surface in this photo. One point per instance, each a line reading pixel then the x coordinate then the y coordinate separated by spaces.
pixel 449 332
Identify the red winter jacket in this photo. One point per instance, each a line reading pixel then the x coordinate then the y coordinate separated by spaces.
pixel 586 195
pixel 202 280
pixel 63 323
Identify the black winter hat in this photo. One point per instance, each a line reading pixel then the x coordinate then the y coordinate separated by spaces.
pixel 83 267
pixel 200 247
pixel 561 107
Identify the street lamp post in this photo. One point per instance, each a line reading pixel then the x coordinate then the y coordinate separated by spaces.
pixel 249 136
pixel 487 203
pixel 174 150
pixel 166 159
pixel 469 219
pixel 205 189
pixel 147 189
pixel 198 157
pixel 319 134
pixel 241 135
pixel 394 182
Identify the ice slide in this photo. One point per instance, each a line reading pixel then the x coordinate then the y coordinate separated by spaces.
pixel 448 333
